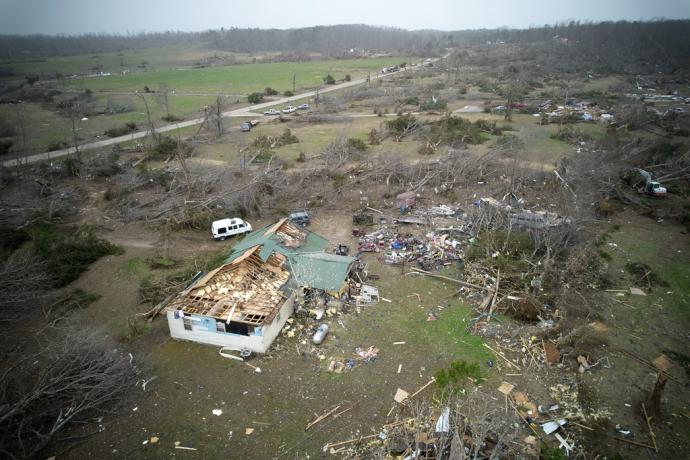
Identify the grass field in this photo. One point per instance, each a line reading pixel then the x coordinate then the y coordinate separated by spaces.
pixel 239 79
pixel 155 58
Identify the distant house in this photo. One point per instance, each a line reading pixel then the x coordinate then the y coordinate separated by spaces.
pixel 245 302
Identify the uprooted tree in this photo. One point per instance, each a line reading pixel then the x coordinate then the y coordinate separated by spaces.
pixel 69 381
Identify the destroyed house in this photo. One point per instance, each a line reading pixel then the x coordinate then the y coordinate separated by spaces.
pixel 245 302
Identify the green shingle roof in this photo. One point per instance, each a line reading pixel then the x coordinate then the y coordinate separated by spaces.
pixel 308 264
pixel 321 270
pixel 270 244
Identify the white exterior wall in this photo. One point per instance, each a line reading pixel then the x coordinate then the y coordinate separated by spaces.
pixel 255 343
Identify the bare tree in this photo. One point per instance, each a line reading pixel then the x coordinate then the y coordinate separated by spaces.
pixel 152 127
pixel 163 96
pixel 217 115
pixel 75 110
pixel 21 122
pixel 25 283
pixel 69 380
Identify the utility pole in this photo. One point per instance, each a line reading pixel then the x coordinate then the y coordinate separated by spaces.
pixel 294 77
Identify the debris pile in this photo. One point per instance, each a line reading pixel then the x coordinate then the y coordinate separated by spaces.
pixel 573 111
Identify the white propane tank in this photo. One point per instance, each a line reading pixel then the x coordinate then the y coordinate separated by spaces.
pixel 320 334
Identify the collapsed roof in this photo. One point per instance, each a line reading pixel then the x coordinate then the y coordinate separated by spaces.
pixel 256 279
pixel 246 290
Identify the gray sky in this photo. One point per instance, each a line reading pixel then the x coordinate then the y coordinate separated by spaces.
pixel 122 16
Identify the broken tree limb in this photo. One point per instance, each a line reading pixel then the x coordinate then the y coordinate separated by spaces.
pixel 652 436
pixel 492 304
pixel 350 441
pixel 151 314
pixel 634 443
pixel 321 417
pixel 421 389
pixel 501 355
pixel 648 364
pixel 462 283
pixel 375 210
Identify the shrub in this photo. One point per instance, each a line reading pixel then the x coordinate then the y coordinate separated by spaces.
pixel 5 146
pixel 451 129
pixel 57 145
pixel 287 138
pixel 399 125
pixel 122 130
pixel 170 118
pixel 356 144
pixel 457 374
pixel 411 100
pixel 374 137
pixel 348 77
pixel 434 105
pixel 329 80
pixel 71 167
pixel 255 98
pixel 69 252
pixel 108 166
pixel 167 147
pixel 262 142
pixel 11 239
pixel 288 93
pixel 7 130
pixel 270 91
pixel 339 180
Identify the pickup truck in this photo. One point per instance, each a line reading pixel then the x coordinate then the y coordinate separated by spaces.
pixel 271 112
pixel 289 109
pixel 248 125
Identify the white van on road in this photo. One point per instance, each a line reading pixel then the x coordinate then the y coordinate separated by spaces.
pixel 225 228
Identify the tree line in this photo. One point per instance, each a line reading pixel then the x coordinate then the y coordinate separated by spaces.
pixel 668 37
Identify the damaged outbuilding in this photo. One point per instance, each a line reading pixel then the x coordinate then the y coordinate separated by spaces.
pixel 245 302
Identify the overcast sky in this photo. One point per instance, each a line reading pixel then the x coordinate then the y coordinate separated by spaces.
pixel 123 16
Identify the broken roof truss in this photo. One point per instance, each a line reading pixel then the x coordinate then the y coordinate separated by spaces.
pixel 246 290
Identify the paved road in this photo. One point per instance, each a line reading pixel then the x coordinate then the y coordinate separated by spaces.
pixel 245 112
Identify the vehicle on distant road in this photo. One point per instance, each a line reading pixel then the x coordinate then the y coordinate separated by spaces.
pixel 289 109
pixel 303 107
pixel 271 112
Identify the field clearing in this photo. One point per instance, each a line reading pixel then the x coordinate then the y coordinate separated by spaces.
pixel 240 79
pixel 115 62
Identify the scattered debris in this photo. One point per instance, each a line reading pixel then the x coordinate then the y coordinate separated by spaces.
pixel 217 412
pixel 320 334
pixel 550 427
pixel 400 395
pixel 637 291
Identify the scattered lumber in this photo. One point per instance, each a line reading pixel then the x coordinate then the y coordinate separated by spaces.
pixel 151 314
pixel 632 355
pixel 350 441
pixel 501 355
pixel 322 417
pixel 462 283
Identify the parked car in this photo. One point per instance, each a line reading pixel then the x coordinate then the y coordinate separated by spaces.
pixel 271 112
pixel 289 109
pixel 225 228
pixel 303 107
pixel 300 217
pixel 246 127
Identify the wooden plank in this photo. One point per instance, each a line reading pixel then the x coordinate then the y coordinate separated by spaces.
pixel 462 283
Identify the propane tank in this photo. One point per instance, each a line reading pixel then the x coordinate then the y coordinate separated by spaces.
pixel 320 334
